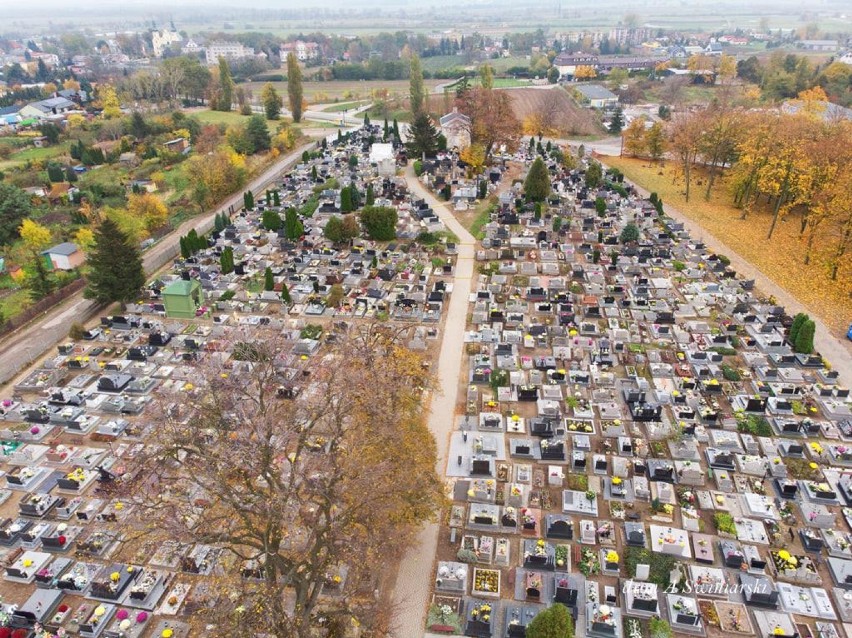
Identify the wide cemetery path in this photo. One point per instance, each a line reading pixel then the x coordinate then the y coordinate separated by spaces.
pixel 28 343
pixel 414 579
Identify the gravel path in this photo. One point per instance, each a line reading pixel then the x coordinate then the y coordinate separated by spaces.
pixel 414 578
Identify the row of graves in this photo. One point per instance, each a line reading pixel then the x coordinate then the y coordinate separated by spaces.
pixel 68 435
pixel 71 429
pixel 402 280
pixel 639 441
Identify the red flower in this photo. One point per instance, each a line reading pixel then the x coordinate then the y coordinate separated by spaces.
pixel 62 540
pixel 20 633
pixel 5 632
pixel 62 608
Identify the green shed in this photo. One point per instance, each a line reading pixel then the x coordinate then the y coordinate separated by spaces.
pixel 182 298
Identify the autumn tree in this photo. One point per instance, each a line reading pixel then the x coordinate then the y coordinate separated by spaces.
pixel 115 266
pixel 342 229
pixel 215 175
pixel 84 238
pixel 417 93
pixel 272 101
pixel 721 133
pixel 110 105
pixel 291 483
pixel 37 237
pixel 294 87
pixel 635 138
pixel 585 72
pixel 492 120
pixel 686 142
pixel 473 156
pixel 149 208
pixel 537 184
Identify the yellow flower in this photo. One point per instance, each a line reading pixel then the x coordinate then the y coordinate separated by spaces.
pixel 616 481
pixel 28 562
pixel 114 577
pixel 612 557
pixel 167 633
pixel 100 611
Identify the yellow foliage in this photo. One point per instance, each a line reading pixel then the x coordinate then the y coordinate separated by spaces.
pixel 132 226
pixel 148 207
pixel 75 120
pixel 584 72
pixel 19 276
pixel 216 175
pixel 71 85
pixel 109 102
pixel 534 124
pixel 84 238
pixel 35 235
pixel 474 156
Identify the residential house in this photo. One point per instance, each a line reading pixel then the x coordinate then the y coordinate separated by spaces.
pixel 596 96
pixel 191 48
pixel 846 58
pixel 162 40
pixel 64 256
pixel 455 127
pixel 304 50
pixel 567 63
pixel 713 49
pixel 10 116
pixel 75 95
pixel 45 109
pixel 178 145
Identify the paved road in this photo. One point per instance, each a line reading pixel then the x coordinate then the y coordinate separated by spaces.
pixel 30 342
pixel 413 584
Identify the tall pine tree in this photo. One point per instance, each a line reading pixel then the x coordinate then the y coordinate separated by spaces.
pixel 115 266
pixel 423 136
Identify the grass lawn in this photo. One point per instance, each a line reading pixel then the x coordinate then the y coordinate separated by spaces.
pixel 33 154
pixel 344 106
pixel 780 259
pixel 14 303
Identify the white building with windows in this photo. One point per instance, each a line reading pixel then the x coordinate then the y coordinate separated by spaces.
pixel 162 40
pixel 227 50
pixel 304 50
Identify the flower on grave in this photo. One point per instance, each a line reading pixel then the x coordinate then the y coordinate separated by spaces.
pixel 813 409
pixel 27 562
pixel 35 430
pixel 118 506
pixel 115 577
pixel 62 540
pixel 121 614
pixel 124 625
pixel 471 493
pixel 100 610
pixel 813 465
pixel 616 480
pixel 816 447
pixel 668 508
pixel 540 543
pixel 167 633
pixel 337 579
pixel 612 556
pixel 778 631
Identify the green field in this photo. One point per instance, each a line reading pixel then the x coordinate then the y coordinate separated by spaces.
pixel 344 106
pixel 32 154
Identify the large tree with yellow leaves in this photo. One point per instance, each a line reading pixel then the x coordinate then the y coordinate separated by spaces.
pixel 309 484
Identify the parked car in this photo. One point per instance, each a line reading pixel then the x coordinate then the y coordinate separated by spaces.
pixel 849 333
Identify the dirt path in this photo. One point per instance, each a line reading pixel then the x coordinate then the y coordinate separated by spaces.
pixel 30 342
pixel 414 578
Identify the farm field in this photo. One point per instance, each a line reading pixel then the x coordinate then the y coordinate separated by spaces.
pixel 780 258
pixel 342 90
